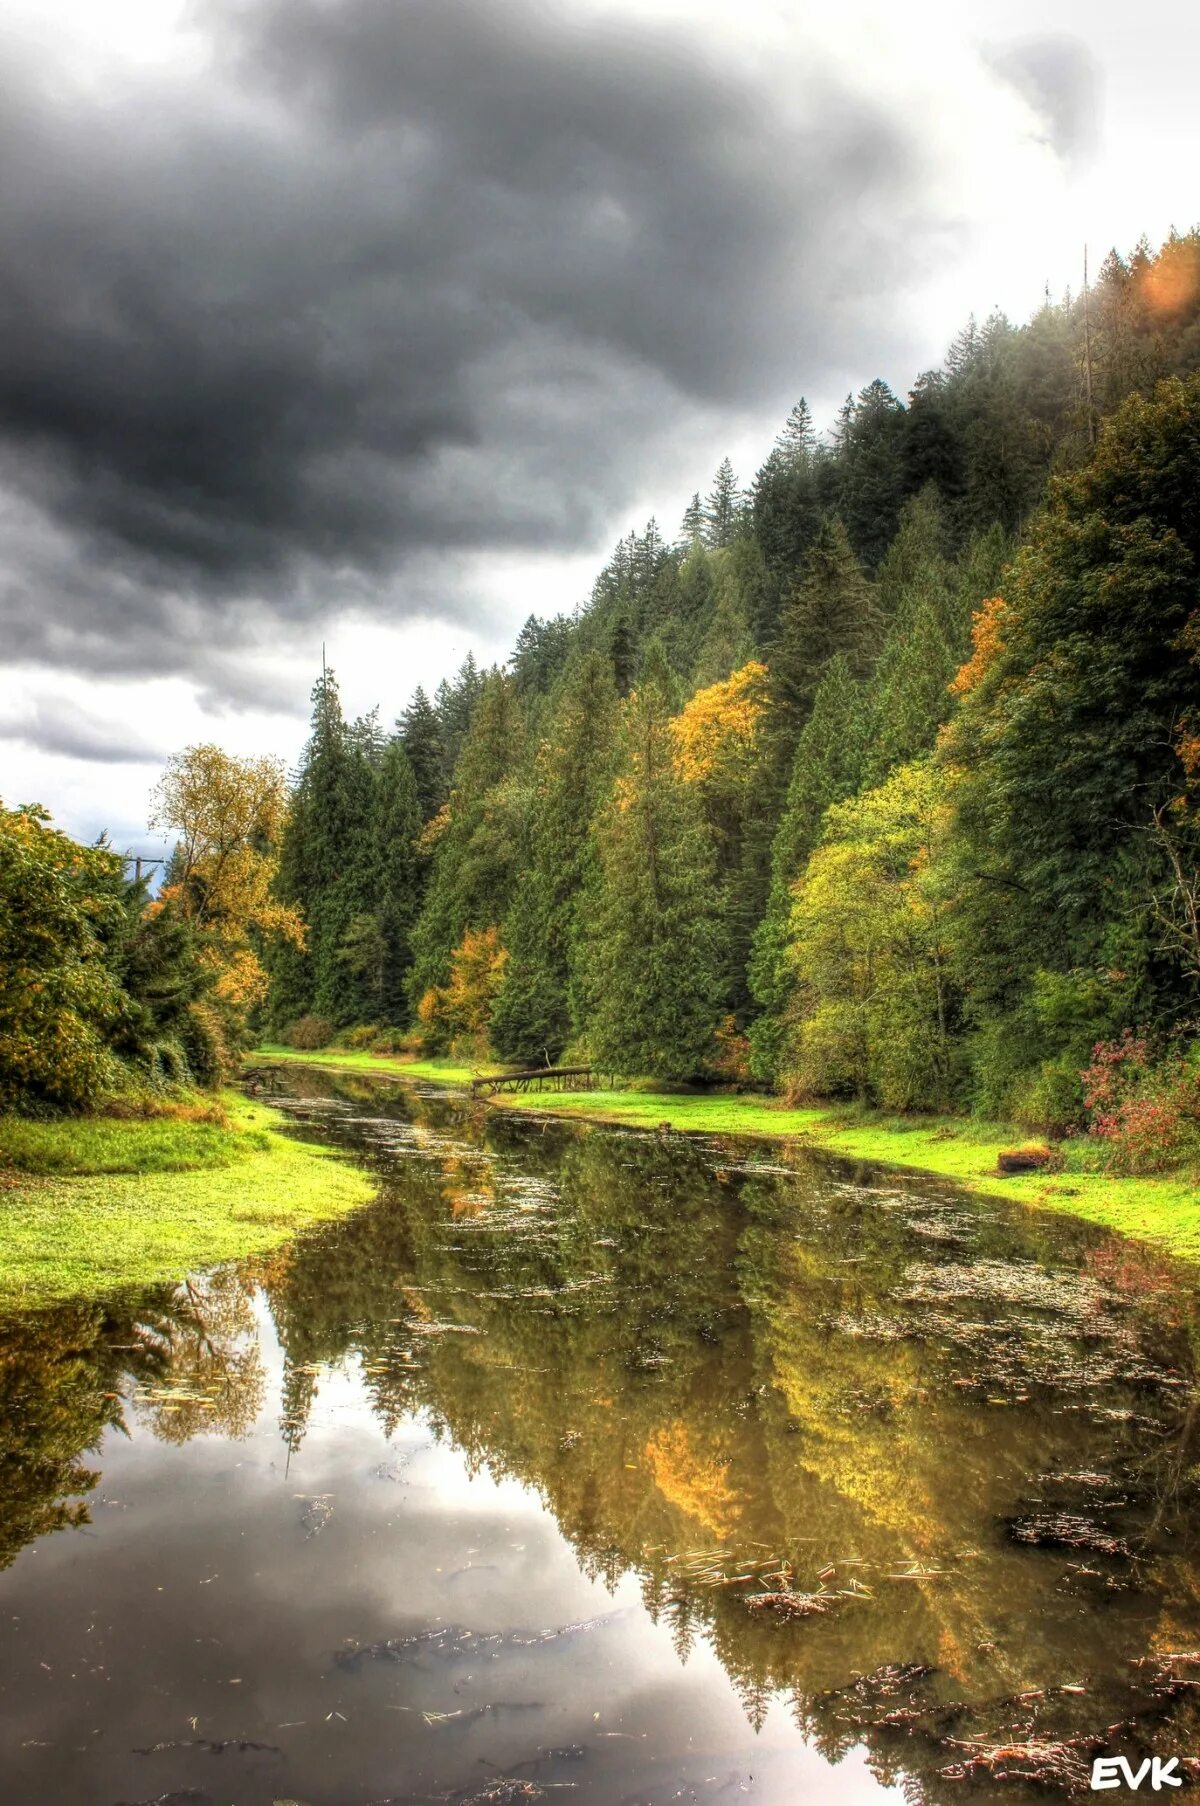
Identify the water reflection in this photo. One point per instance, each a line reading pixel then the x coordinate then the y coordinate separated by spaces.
pixel 918 1474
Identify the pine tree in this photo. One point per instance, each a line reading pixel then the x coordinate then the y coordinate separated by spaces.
pixel 396 829
pixel 797 442
pixel 691 529
pixel 832 609
pixel 532 1019
pixel 421 733
pixel 827 769
pixel 910 694
pixel 722 510
pixel 327 864
pixel 651 955
pixel 476 846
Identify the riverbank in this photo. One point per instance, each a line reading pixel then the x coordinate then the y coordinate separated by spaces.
pixel 91 1203
pixel 1164 1210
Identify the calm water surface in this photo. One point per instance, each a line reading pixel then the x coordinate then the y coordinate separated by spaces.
pixel 594 1466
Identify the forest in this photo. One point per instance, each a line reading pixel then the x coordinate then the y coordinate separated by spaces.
pixel 879 781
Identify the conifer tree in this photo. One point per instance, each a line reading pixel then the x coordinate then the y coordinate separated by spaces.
pixel 910 694
pixel 396 829
pixel 827 769
pixel 532 1019
pixel 651 956
pixel 723 507
pixel 421 733
pixel 326 863
pixel 691 530
pixel 476 840
pixel 832 609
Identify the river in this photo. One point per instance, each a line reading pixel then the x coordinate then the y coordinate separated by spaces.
pixel 610 1468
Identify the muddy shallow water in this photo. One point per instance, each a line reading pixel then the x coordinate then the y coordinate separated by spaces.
pixel 597 1466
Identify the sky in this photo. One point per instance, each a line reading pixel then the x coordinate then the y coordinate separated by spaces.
pixel 373 324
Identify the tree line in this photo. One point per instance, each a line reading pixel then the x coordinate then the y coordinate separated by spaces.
pixel 879 781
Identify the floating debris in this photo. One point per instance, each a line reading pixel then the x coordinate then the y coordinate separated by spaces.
pixel 1066 1530
pixel 790 1605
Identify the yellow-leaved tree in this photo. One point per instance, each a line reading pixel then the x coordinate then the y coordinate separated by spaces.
pixel 228 814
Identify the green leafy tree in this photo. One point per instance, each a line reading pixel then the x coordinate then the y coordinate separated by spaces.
pixel 873 1010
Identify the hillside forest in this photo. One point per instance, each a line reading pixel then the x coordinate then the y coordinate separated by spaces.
pixel 877 780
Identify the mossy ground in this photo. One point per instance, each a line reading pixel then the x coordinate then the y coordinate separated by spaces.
pixel 1163 1209
pixel 89 1204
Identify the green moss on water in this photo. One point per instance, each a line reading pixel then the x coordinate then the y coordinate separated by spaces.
pixel 114 1203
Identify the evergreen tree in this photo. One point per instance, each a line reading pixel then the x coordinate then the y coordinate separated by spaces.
pixel 651 956
pixel 691 528
pixel 870 471
pixel 421 734
pixel 396 830
pixel 723 508
pixel 910 694
pixel 832 609
pixel 532 1019
pixel 827 769
pixel 327 863
pixel 476 847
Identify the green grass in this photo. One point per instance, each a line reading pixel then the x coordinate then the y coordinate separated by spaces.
pixel 1164 1210
pixel 446 1072
pixel 117 1203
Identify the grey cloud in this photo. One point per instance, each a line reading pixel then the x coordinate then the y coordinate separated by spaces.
pixel 55 726
pixel 395 282
pixel 1060 79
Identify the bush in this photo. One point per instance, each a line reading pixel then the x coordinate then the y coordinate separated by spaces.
pixel 308 1033
pixel 396 1041
pixel 1050 1101
pixel 1147 1112
pixel 356 1040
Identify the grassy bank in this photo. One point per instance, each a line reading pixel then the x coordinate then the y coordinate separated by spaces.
pixel 442 1072
pixel 1164 1210
pixel 88 1204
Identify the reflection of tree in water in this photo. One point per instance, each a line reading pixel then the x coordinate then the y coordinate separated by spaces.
pixel 184 1358
pixel 732 1383
pixel 213 1379
pixel 863 1410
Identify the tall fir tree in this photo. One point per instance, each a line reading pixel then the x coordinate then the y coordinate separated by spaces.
pixel 827 769
pixel 475 842
pixel 722 510
pixel 652 966
pixel 533 1017
pixel 832 609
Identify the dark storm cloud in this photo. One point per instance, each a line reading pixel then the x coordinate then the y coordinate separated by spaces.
pixel 1060 79
pixel 395 281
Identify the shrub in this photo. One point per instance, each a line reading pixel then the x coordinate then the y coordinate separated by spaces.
pixel 355 1040
pixel 309 1032
pixel 396 1041
pixel 1050 1100
pixel 1146 1111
